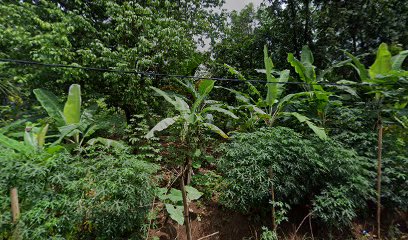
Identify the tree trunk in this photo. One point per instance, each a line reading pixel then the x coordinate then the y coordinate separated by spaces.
pixel 292 8
pixel 189 170
pixel 185 204
pixel 379 173
pixel 273 200
pixel 15 208
pixel 307 38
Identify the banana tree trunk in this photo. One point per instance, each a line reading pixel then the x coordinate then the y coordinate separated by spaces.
pixel 379 173
pixel 185 205
pixel 15 208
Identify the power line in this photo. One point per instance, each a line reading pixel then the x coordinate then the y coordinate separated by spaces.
pixel 153 74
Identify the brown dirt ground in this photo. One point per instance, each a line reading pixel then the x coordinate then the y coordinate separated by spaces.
pixel 221 224
pixel 206 220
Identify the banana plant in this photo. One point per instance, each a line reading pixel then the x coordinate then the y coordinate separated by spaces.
pixel 34 139
pixel 381 77
pixel 306 71
pixel 193 119
pixel 74 125
pixel 271 107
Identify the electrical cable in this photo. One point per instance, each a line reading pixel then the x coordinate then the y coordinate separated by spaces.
pixel 153 74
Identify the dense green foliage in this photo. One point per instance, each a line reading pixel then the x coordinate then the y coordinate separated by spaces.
pixel 142 36
pixel 100 194
pixel 306 136
pixel 336 180
pixel 328 27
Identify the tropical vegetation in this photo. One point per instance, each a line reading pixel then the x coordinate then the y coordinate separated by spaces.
pixel 183 120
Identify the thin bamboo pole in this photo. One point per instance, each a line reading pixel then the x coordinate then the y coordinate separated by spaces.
pixel 273 200
pixel 379 174
pixel 185 204
pixel 15 208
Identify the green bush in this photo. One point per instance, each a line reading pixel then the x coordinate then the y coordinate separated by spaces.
pixel 306 171
pixel 101 194
pixel 395 163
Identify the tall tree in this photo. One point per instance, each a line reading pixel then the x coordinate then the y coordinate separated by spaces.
pixel 328 27
pixel 238 45
pixel 140 35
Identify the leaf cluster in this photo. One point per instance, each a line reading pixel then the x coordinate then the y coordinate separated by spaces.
pixel 102 193
pixel 304 169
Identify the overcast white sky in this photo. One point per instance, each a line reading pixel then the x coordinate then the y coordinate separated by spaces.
pixel 239 4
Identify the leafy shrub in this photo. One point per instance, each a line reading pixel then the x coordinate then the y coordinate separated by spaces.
pixel 135 132
pixel 101 194
pixel 208 182
pixel 395 182
pixel 305 171
pixel 268 234
pixel 395 163
pixel 173 201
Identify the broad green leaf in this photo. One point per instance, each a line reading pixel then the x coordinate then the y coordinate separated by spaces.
pixel 283 78
pixel 192 193
pixel 307 61
pixel 240 96
pixel 175 195
pixel 220 110
pixel 299 68
pixel 215 129
pixel 197 103
pixel 181 105
pixel 350 90
pixel 275 90
pixel 189 86
pixel 12 125
pixel 398 60
pixel 91 130
pixel 54 149
pixel 359 67
pixel 72 108
pixel 323 72
pixel 164 95
pixel 69 130
pixel 107 143
pixel 382 64
pixel 289 97
pixel 163 124
pixel 205 86
pixel 176 213
pixel 41 135
pixel 50 103
pixel 13 144
pixel 306 56
pixel 320 132
pixel 161 193
pixel 252 88
pixel 267 61
pixel 403 124
pixel 301 118
pixel 400 105
pixel 271 85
